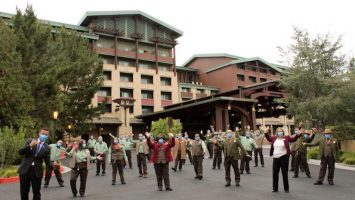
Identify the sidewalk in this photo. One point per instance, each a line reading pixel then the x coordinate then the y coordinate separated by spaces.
pixel 337 165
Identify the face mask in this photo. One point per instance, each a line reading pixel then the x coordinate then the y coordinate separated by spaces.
pixel 100 139
pixel 280 134
pixel 247 135
pixel 197 138
pixel 92 137
pixel 305 136
pixel 58 145
pixel 229 135
pixel 84 145
pixel 160 141
pixel 328 136
pixel 296 132
pixel 43 137
pixel 257 134
pixel 186 138
pixel 115 141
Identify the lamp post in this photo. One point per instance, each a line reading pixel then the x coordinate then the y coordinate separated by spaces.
pixel 125 102
pixel 69 127
pixel 55 117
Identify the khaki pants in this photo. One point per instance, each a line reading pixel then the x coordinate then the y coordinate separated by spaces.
pixel 117 165
pixel 82 171
pixel 142 164
pixel 57 173
pixel 330 162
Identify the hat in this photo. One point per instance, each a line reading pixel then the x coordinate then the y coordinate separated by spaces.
pixel 328 131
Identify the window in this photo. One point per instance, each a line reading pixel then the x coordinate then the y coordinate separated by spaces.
pixel 200 91
pixel 126 77
pixel 147 109
pixel 104 42
pixel 241 66
pixel 263 70
pixel 263 79
pixel 108 60
pixel 165 95
pixel 252 79
pixel 107 108
pixel 104 92
pixel 145 79
pixel 214 92
pixel 187 90
pixel 165 81
pixel 145 65
pixel 251 68
pixel 147 94
pixel 107 75
pixel 126 63
pixel 273 72
pixel 164 68
pixel 240 77
pixel 126 92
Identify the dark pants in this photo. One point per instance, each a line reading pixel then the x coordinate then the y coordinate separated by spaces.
pixel 129 158
pixel 142 164
pixel 57 173
pixel 217 158
pixel 244 162
pixel 101 163
pixel 162 172
pixel 188 153
pixel 117 165
pixel 179 161
pixel 277 164
pixel 228 162
pixel 82 171
pixel 330 162
pixel 25 184
pixel 197 161
pixel 301 160
pixel 92 153
pixel 293 155
pixel 210 149
pixel 258 152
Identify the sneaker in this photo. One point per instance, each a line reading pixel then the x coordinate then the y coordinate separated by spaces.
pixel 196 177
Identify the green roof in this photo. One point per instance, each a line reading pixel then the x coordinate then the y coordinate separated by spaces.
pixel 186 69
pixel 216 67
pixel 85 19
pixel 211 55
pixel 190 85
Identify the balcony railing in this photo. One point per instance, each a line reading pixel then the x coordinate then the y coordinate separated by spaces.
pixel 200 95
pixel 105 51
pixel 166 103
pixel 126 54
pixel 101 99
pixel 186 95
pixel 147 102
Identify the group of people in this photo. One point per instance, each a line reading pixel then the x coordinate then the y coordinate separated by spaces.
pixel 234 146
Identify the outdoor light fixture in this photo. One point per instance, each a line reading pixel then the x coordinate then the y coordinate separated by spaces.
pixel 125 102
pixel 55 115
pixel 229 107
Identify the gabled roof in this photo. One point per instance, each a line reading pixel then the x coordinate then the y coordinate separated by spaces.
pixel 85 19
pixel 211 55
pixel 186 69
pixel 273 66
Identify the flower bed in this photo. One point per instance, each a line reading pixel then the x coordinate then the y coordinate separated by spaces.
pixel 16 178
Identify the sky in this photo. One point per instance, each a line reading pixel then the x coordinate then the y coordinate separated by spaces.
pixel 244 28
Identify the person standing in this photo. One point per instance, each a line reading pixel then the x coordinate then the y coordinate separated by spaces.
pixel 329 153
pixel 160 157
pixel 209 143
pixel 231 146
pixel 248 144
pixel 188 148
pixel 179 152
pixel 199 150
pixel 127 144
pixel 34 152
pixel 258 152
pixel 142 149
pixel 79 163
pixel 301 153
pixel 280 151
pixel 91 145
pixel 217 150
pixel 56 151
pixel 117 156
pixel 101 150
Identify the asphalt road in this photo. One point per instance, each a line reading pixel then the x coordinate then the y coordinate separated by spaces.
pixel 254 186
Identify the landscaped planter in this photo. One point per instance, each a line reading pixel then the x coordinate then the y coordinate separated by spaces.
pixel 17 178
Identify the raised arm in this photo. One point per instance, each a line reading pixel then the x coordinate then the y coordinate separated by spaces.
pixel 27 147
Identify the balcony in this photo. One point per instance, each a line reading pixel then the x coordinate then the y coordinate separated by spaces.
pixel 105 51
pixel 166 59
pixel 101 99
pixel 186 95
pixel 126 54
pixel 147 102
pixel 146 56
pixel 166 103
pixel 200 95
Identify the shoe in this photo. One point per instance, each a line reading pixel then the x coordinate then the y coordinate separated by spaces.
pixel 45 186
pixel 213 168
pixel 318 183
pixel 237 184
pixel 174 169
pixel 227 184
pixel 74 195
pixel 295 176
pixel 287 191
pixel 103 174
pixel 169 189
pixel 140 175
pixel 61 185
pixel 113 182
pixel 160 188
pixel 196 177
pixel 331 183
pixel 123 183
pixel 255 166
pixel 262 165
pixel 145 176
pixel 82 195
pixel 180 170
pixel 200 178
pixel 248 173
pixel 309 176
pixel 219 167
pixel 291 170
pixel 275 191
pixel 97 174
pixel 241 172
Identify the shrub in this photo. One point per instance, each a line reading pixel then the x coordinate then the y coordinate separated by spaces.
pixel 7 172
pixel 10 142
pixel 350 161
pixel 348 158
pixel 313 153
pixel 162 126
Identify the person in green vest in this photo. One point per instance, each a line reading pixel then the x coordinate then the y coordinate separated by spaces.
pixel 329 154
pixel 127 143
pixel 101 149
pixel 117 157
pixel 249 145
pixel 209 143
pixel 199 150
pixel 231 146
pixel 56 151
pixel 91 145
pixel 79 163
pixel 301 152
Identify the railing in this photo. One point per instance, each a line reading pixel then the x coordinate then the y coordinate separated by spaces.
pixel 101 99
pixel 147 102
pixel 105 51
pixel 186 95
pixel 200 95
pixel 166 103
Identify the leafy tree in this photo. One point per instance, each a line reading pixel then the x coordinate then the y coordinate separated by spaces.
pixel 162 126
pixel 10 142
